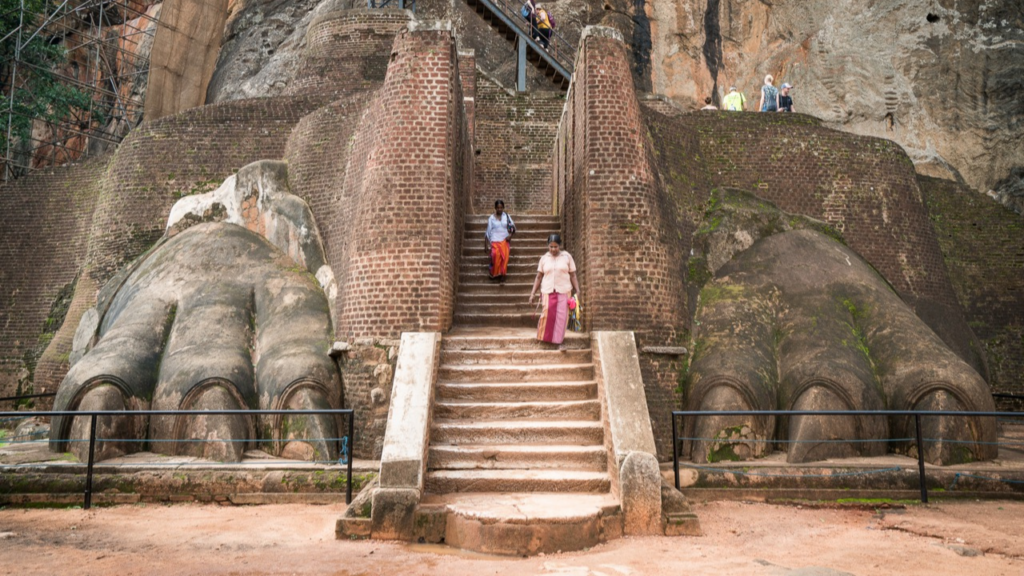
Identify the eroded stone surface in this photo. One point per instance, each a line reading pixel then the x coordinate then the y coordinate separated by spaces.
pixel 214 318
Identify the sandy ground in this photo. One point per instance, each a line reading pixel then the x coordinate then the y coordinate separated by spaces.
pixel 974 538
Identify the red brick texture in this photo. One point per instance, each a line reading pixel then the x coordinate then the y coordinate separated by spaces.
pixel 387 174
pixel 614 218
pixel 394 204
pixel 514 137
pixel 865 188
pixel 47 217
pixel 347 51
pixel 983 245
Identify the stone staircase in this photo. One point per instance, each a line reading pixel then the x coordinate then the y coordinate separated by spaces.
pixel 517 443
pixel 517 425
pixel 484 302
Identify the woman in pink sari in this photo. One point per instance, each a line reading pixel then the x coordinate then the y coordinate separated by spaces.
pixel 556 279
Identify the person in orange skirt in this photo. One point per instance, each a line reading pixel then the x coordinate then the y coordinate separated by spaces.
pixel 500 229
pixel 556 279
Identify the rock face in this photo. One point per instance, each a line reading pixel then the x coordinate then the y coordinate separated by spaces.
pixel 263 45
pixel 941 78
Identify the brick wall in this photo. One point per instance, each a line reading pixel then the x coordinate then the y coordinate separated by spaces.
pixel 386 175
pixel 614 221
pixel 347 51
pixel 864 187
pixel 514 138
pixel 983 245
pixel 47 217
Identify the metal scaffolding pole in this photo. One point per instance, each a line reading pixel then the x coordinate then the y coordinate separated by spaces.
pixel 101 40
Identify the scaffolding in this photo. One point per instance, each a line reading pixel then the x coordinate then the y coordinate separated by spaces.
pixel 105 65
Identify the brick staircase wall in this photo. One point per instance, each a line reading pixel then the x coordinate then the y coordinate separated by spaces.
pixel 983 246
pixel 513 142
pixel 347 51
pixel 386 174
pixel 47 218
pixel 615 220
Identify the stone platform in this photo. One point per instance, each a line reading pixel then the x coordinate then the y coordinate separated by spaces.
pixel 891 476
pixel 526 524
pixel 32 475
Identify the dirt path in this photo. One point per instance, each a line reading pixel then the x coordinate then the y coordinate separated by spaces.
pixel 976 538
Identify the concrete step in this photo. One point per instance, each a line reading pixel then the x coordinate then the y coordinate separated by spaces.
pixel 524 223
pixel 488 287
pixel 528 250
pixel 521 237
pixel 573 410
pixel 484 298
pixel 514 356
pixel 488 338
pixel 571 432
pixel 494 457
pixel 513 305
pixel 448 481
pixel 476 274
pixel 497 320
pixel 506 373
pixel 515 265
pixel 528 523
pixel 526 392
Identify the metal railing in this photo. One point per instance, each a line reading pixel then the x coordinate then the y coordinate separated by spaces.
pixel 27 397
pixel 559 54
pixel 400 4
pixel 559 46
pixel 344 443
pixel 918 415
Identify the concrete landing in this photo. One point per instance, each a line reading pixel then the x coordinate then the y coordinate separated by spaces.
pixel 527 524
pixel 32 475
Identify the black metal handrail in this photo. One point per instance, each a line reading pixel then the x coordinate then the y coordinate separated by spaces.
pixel 94 414
pixel 564 55
pixel 560 53
pixel 917 414
pixel 27 397
pixel 401 4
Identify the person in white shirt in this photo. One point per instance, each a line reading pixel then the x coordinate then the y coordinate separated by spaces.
pixel 556 279
pixel 500 229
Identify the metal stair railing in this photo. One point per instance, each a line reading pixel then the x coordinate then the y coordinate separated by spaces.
pixel 560 52
pixel 401 4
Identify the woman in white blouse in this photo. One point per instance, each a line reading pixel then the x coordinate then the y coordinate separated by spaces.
pixel 500 229
pixel 556 279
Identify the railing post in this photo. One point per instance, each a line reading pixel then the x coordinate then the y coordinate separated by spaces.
pixel 920 459
pixel 351 449
pixel 521 66
pixel 675 450
pixel 88 466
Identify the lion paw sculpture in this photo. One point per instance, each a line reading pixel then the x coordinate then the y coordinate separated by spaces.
pixel 792 319
pixel 224 313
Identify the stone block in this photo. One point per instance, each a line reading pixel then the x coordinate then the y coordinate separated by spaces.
pixel 429 524
pixel 640 487
pixel 682 525
pixel 393 513
pixel 403 459
pixel 352 528
pixel 632 438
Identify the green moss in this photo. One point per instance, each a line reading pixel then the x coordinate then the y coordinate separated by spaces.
pixel 720 291
pixel 876 501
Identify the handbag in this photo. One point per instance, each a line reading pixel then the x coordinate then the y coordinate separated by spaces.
pixel 524 12
pixel 575 314
pixel 511 225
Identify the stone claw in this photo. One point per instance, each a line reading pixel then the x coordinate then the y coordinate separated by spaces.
pixel 798 321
